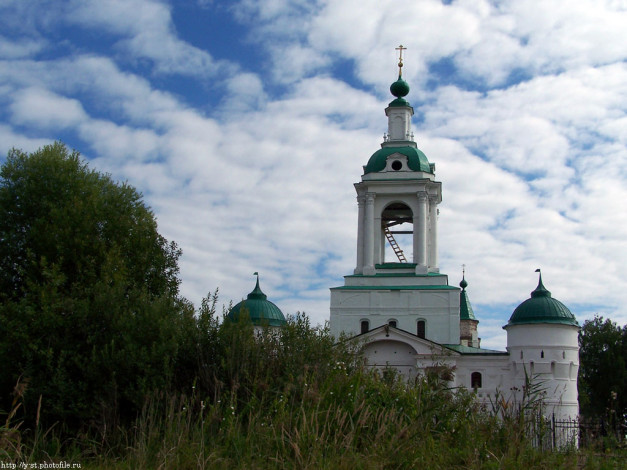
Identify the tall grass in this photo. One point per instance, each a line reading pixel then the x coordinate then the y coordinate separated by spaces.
pixel 292 399
pixel 344 420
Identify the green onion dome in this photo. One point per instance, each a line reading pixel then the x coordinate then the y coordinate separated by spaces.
pixel 260 310
pixel 542 308
pixel 399 88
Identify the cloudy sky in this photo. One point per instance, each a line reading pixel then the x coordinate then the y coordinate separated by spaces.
pixel 245 124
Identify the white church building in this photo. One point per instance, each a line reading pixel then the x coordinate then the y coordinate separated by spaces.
pixel 405 312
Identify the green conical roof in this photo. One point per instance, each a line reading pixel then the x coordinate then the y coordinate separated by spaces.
pixel 465 309
pixel 260 310
pixel 542 308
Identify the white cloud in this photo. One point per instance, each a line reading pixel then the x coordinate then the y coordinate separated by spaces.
pixel 245 93
pixel 41 108
pixel 292 62
pixel 533 174
pixel 18 49
pixel 120 144
pixel 9 139
pixel 145 31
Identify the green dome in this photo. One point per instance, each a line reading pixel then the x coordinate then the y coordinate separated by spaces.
pixel 399 88
pixel 542 308
pixel 416 160
pixel 260 310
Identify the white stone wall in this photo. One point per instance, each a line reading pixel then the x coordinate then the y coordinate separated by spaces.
pixel 502 374
pixel 439 309
pixel 549 353
pixel 495 375
pixel 401 356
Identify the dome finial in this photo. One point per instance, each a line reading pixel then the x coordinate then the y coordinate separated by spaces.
pixel 541 308
pixel 400 88
pixel 463 284
pixel 400 60
pixel 258 309
pixel 540 291
pixel 257 293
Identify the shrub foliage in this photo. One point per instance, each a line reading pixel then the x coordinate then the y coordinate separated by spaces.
pixel 89 306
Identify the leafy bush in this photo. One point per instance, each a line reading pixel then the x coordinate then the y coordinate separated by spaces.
pixel 89 305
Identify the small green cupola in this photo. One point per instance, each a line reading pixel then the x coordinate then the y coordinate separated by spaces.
pixel 542 308
pixel 465 309
pixel 260 310
pixel 399 89
pixel 468 333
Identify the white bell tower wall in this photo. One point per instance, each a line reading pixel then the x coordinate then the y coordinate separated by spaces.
pixel 399 123
pixel 420 197
pixel 397 197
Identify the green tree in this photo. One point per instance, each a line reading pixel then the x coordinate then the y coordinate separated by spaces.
pixel 89 303
pixel 603 368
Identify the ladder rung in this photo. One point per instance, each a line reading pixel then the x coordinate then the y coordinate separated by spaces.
pixel 397 250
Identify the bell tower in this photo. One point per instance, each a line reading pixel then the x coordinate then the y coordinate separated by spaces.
pixel 396 273
pixel 398 190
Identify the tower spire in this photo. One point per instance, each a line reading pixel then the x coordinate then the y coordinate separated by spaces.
pixel 540 291
pixel 257 293
pixel 400 50
pixel 399 111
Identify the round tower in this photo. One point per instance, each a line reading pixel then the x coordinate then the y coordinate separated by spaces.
pixel 542 340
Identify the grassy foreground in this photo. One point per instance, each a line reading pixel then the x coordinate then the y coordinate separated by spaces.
pixel 353 419
pixel 292 400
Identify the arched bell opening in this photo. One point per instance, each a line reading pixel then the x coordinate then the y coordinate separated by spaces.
pixel 397 233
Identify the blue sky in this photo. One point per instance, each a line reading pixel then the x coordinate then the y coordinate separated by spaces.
pixel 245 124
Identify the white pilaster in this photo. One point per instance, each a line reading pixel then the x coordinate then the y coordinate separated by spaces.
pixel 433 241
pixel 420 233
pixel 361 199
pixel 369 235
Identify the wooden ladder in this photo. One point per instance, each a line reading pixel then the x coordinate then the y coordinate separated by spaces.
pixel 397 249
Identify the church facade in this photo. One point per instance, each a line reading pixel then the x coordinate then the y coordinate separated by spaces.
pixel 404 310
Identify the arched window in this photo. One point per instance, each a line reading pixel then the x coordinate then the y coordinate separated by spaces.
pixel 421 328
pixel 397 227
pixel 542 354
pixel 475 380
pixel 392 323
pixel 365 326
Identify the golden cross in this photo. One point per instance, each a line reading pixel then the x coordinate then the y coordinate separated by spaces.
pixel 400 59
